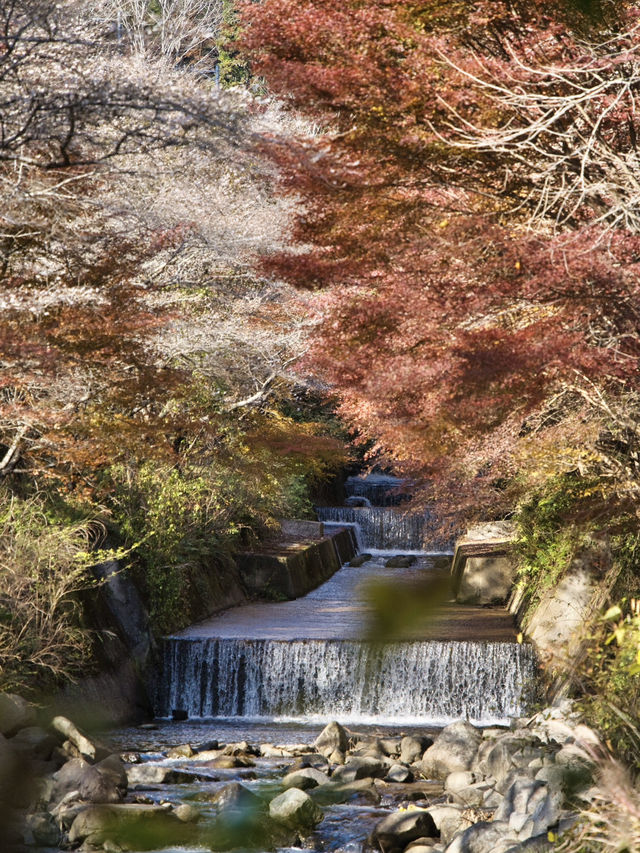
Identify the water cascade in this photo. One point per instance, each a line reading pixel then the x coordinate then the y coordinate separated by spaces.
pixel 378 489
pixel 381 527
pixel 404 683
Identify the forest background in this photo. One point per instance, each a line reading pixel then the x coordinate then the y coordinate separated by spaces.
pixel 235 237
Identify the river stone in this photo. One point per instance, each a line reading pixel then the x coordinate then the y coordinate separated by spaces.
pixel 363 790
pixel 459 779
pixel 399 773
pixel 268 750
pixel 359 560
pixel 230 762
pixel 390 746
pixel 80 741
pixel 421 843
pixel 395 831
pixel 412 747
pixel 333 738
pixel 360 767
pixel 187 813
pixel 305 778
pixel 449 820
pixel 144 775
pixel 97 824
pixel 15 714
pixel 97 787
pixel 482 837
pixel 472 796
pixel 296 809
pixel 182 751
pixel 68 779
pixel 235 797
pixel 35 741
pixel 518 797
pixel 454 749
pixel 44 830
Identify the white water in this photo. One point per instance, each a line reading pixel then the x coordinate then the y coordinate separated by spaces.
pixel 410 683
pixel 385 528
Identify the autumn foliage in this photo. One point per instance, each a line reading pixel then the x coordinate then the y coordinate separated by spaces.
pixel 472 211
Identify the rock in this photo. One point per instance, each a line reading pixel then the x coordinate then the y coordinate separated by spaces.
pixel 360 768
pixel 401 561
pixel 482 837
pixel 399 773
pixel 307 777
pixel 459 779
pixel 395 831
pixel 412 748
pixel 183 751
pixel 68 779
pixel 518 796
pixel 390 746
pixel 268 750
pixel 96 824
pixel 187 813
pixel 96 787
pixel 420 843
pixel 44 830
pixel 454 749
pixel 539 844
pixel 15 714
pixel 472 796
pixel 34 741
pixel 296 809
pixel 88 749
pixel 143 775
pixel 363 790
pixel 235 797
pixel 331 739
pixel 230 762
pixel 337 757
pixel 359 560
pixel 449 820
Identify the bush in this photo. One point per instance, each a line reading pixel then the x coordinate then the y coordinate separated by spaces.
pixel 43 566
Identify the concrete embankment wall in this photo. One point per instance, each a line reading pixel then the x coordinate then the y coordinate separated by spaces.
pixel 126 647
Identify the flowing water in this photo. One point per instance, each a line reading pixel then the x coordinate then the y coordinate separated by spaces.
pixel 276 672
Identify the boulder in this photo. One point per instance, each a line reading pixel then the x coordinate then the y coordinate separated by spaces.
pixel 144 775
pixel 395 831
pixel 105 782
pixel 400 561
pixel 235 797
pixel 412 748
pixel 305 778
pixel 454 749
pixel 517 797
pixel 360 767
pixel 333 738
pixel 482 837
pixel 15 714
pixel 230 762
pixel 459 779
pixel 68 779
pixel 187 813
pixel 34 741
pixel 9 769
pixel 182 751
pixel 151 825
pixel 390 746
pixel 449 819
pixel 363 791
pixel 360 560
pixel 399 773
pixel 87 748
pixel 44 830
pixel 296 809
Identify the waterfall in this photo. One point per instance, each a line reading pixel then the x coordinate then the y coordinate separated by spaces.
pixel 384 528
pixel 404 683
pixel 378 489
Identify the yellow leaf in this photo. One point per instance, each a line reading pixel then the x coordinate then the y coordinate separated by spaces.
pixel 520 637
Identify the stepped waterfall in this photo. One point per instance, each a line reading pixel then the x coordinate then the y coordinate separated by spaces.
pixel 305 660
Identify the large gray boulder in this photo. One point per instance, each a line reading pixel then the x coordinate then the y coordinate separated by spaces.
pixel 15 714
pixel 395 831
pixel 482 837
pixel 454 749
pixel 333 738
pixel 295 809
pixel 305 778
pixel 412 747
pixel 148 774
pixel 150 825
pixel 236 797
pixel 35 742
pixel 361 767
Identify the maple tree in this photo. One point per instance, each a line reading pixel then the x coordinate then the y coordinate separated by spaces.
pixel 472 210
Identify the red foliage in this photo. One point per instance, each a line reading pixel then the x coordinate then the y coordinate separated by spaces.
pixel 450 317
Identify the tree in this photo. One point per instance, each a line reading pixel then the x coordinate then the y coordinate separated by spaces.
pixel 471 210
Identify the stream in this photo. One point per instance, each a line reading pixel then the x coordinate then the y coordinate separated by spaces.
pixel 269 675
